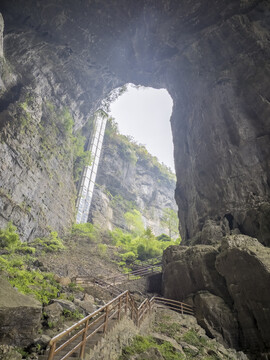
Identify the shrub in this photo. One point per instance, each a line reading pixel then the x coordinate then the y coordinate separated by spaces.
pixel 41 285
pixel 129 257
pixel 102 250
pixel 51 244
pixel 86 230
pixel 9 237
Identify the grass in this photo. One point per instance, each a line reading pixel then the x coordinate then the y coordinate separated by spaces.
pixel 141 344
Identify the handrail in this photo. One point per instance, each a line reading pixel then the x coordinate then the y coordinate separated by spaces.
pixel 99 320
pixel 151 269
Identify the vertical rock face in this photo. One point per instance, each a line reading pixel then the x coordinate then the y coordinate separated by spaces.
pixel 229 287
pixel 127 179
pixel 212 58
pixel 36 185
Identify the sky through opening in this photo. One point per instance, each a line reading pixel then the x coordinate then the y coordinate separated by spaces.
pixel 144 113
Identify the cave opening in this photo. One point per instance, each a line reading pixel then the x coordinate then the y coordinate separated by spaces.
pixel 138 123
pixel 143 113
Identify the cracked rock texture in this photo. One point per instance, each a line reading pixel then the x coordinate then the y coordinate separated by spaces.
pixel 228 285
pixel 212 57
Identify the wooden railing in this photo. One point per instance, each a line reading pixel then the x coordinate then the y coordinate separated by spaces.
pixel 75 338
pixel 133 275
pixel 89 281
pixel 110 282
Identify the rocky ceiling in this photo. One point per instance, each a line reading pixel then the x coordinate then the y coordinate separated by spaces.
pixel 213 58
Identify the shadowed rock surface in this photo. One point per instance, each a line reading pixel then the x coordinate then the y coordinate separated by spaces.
pixel 230 292
pixel 212 58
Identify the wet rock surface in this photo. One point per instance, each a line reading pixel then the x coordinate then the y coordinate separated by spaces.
pixel 230 292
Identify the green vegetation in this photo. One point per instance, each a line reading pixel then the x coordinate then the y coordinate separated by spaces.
pixel 134 222
pixel 141 344
pixel 87 230
pixel 138 243
pixel 56 127
pixel 17 263
pixel 51 244
pixel 170 221
pixel 73 315
pixel 8 237
pixel 134 152
pixel 29 281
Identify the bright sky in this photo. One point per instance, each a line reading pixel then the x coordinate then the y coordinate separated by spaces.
pixel 144 113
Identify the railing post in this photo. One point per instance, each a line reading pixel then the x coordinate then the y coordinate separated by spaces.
pixel 84 339
pixel 126 309
pixel 106 320
pixel 182 310
pixel 52 350
pixel 119 308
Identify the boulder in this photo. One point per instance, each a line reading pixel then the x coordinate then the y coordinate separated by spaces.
pixel 87 306
pixel 64 281
pixel 215 316
pixel 211 233
pixel 187 270
pixel 66 304
pixel 53 311
pixel 245 264
pixel 20 316
pixel 89 298
pixel 229 287
pixel 42 341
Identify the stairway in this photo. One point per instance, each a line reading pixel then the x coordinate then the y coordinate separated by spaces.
pixel 75 341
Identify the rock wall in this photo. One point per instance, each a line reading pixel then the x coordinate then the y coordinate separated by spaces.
pixel 229 287
pixel 126 179
pixel 212 58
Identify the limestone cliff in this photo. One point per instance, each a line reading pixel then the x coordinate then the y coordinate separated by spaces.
pixel 212 58
pixel 130 178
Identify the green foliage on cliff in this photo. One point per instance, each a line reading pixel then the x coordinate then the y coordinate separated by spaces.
pixel 134 222
pixel 41 285
pixel 52 243
pixel 61 126
pixel 170 221
pixel 134 152
pixel 142 247
pixel 87 230
pixel 9 237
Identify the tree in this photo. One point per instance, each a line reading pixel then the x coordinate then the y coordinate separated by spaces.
pixel 135 222
pixel 170 221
